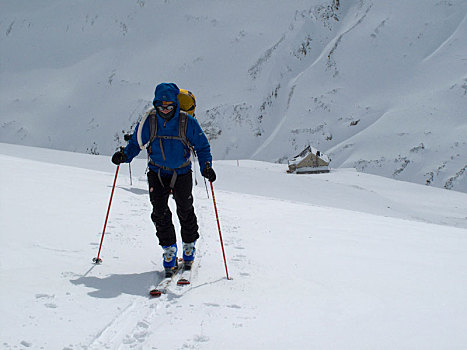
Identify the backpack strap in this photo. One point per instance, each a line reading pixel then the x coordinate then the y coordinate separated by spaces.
pixel 182 128
pixel 153 131
pixel 151 114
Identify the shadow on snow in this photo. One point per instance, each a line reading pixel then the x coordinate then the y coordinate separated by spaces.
pixel 134 190
pixel 115 285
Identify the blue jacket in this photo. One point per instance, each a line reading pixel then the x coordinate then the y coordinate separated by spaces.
pixel 176 153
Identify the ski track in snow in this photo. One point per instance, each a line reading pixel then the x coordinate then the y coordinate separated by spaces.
pixel 357 278
pixel 142 317
pixel 131 327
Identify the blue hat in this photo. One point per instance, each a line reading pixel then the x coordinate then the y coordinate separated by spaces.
pixel 166 92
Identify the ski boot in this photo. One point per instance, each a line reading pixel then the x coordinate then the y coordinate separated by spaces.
pixel 170 260
pixel 188 255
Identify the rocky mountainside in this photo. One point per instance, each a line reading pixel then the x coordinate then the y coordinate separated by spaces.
pixel 379 86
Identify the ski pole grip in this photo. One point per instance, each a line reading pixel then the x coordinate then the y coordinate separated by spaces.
pixel 127 137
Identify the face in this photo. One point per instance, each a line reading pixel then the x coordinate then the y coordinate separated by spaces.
pixel 166 108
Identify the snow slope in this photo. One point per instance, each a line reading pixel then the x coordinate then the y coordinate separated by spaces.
pixel 381 86
pixel 343 260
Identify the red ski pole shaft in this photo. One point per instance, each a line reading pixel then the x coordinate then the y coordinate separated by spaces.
pixel 219 227
pixel 98 260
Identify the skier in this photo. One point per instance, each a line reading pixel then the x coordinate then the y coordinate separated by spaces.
pixel 168 133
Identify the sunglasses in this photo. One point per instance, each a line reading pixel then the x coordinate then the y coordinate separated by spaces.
pixel 166 108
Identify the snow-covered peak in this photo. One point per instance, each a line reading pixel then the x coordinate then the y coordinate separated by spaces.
pixel 379 86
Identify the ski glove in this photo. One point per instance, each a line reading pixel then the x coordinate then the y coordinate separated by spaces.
pixel 119 157
pixel 209 174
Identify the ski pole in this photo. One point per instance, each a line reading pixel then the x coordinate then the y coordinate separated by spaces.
pixel 131 180
pixel 206 185
pixel 195 158
pixel 98 260
pixel 219 227
pixel 127 138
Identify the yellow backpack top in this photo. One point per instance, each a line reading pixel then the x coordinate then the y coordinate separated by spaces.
pixel 187 101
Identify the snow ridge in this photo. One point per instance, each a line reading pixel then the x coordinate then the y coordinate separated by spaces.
pixel 364 81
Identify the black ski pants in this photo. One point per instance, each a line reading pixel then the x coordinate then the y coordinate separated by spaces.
pixel 159 191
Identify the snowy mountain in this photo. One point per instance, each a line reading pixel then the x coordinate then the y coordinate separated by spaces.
pixel 343 260
pixel 380 86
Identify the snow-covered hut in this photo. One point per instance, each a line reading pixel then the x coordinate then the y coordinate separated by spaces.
pixel 309 161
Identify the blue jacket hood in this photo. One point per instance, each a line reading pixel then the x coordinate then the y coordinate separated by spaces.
pixel 166 92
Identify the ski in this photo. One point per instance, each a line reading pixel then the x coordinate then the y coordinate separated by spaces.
pixel 185 275
pixel 163 286
pixel 183 282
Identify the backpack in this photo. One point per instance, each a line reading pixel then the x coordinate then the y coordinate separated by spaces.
pixel 187 104
pixel 187 101
pixel 182 126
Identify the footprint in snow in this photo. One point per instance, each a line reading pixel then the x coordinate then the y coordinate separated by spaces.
pixel 44 296
pixel 139 335
pixel 201 338
pixel 47 297
pixel 212 304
